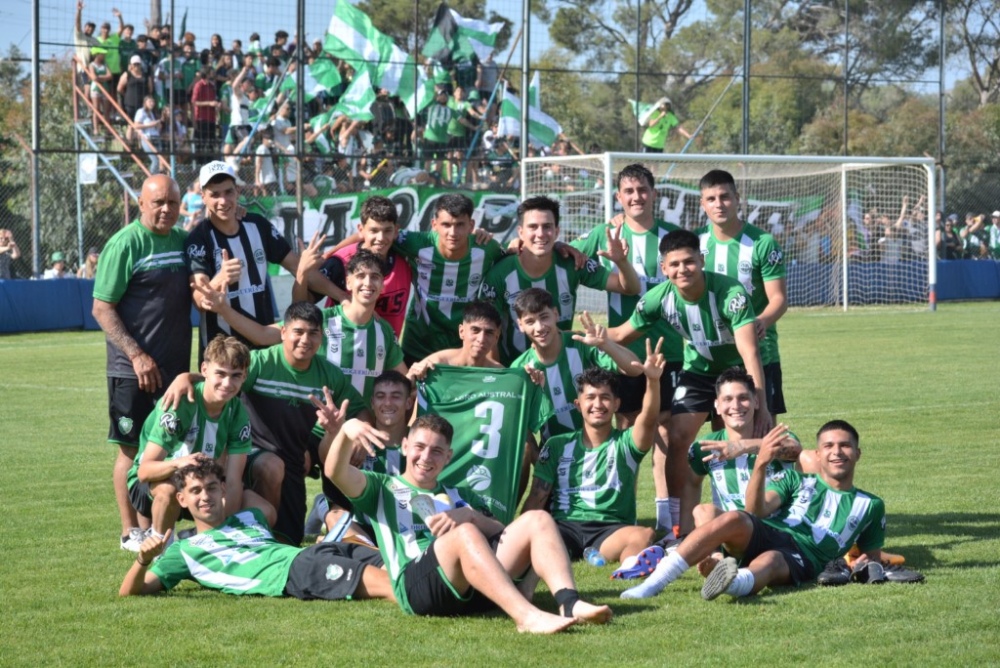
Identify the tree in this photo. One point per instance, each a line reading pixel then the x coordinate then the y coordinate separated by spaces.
pixel 395 18
pixel 978 28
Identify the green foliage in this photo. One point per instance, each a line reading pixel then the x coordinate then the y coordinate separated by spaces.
pixel 396 19
pixel 914 398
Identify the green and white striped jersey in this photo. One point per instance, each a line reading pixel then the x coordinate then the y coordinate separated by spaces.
pixel 362 352
pixel 591 484
pixel 441 290
pixel 644 254
pixel 753 259
pixel 189 429
pixel 238 557
pixel 560 381
pixel 707 325
pixel 401 532
pixel 824 522
pixel 730 477
pixel 492 411
pixel 505 281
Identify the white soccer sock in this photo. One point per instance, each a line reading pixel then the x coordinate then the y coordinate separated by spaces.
pixel 664 518
pixel 669 569
pixel 153 533
pixel 675 512
pixel 743 584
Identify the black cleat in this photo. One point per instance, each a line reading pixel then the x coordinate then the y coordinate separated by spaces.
pixel 900 574
pixel 835 574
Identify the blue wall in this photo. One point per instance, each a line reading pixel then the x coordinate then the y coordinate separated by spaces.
pixel 32 306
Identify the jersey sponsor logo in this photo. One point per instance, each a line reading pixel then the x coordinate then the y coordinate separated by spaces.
pixel 245 433
pixel 745 267
pixel 488 292
pixel 557 390
pixel 275 233
pixel 251 290
pixel 737 304
pixel 334 572
pixel 489 379
pixel 543 456
pixel 169 423
pixel 591 266
pixel 360 352
pixel 449 282
pixel 641 306
pixel 695 327
pixel 479 478
pixel 125 425
pixel 196 252
pixel 775 257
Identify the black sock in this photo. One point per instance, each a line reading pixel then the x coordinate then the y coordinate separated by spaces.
pixel 566 599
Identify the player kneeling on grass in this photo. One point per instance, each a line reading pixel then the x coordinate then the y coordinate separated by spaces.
pixel 214 425
pixel 457 561
pixel 238 554
pixel 587 478
pixel 810 520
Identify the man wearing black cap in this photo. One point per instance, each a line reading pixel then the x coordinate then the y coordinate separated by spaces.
pixel 236 251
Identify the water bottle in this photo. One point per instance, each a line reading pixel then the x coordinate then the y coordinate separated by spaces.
pixel 594 556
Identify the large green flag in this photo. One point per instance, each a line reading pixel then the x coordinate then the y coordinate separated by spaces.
pixel 352 37
pixel 356 102
pixel 542 128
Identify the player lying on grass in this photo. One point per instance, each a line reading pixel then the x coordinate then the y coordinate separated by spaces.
pixel 237 554
pixel 457 561
pixel 214 425
pixel 587 478
pixel 811 519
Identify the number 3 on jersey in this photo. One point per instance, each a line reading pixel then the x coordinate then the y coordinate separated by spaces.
pixel 489 446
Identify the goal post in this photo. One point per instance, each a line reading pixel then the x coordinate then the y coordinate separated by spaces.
pixel 847 238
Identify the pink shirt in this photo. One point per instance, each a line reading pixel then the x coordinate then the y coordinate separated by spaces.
pixel 396 294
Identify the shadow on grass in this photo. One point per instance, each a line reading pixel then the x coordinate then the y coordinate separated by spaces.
pixel 946 531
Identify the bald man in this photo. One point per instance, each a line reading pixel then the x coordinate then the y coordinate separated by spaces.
pixel 142 301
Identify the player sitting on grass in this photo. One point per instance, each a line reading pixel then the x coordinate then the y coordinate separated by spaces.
pixel 215 425
pixel 562 356
pixel 237 554
pixel 810 520
pixel 458 561
pixel 587 478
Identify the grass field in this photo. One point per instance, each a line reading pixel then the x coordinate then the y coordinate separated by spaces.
pixel 921 387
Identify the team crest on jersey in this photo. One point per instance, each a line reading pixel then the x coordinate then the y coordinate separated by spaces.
pixel 775 257
pixel 475 278
pixel 125 425
pixel 380 352
pixel 245 433
pixel 169 423
pixel 566 298
pixel 334 572
pixel 196 252
pixel 745 267
pixel 852 523
pixel 737 304
pixel 258 255
pixel 479 478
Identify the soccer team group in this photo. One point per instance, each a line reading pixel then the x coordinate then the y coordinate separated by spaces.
pixel 440 378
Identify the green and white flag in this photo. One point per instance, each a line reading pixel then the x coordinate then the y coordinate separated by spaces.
pixel 642 110
pixel 455 37
pixel 352 37
pixel 535 92
pixel 356 102
pixel 542 128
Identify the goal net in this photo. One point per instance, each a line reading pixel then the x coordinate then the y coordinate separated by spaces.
pixel 854 231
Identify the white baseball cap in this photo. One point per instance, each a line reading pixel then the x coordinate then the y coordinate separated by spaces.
pixel 135 60
pixel 214 170
pixel 996 214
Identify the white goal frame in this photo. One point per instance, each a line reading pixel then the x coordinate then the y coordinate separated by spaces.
pixel 744 168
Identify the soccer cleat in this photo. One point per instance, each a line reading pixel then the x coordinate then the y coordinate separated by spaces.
pixel 895 573
pixel 835 574
pixel 669 543
pixel 888 558
pixel 133 541
pixel 868 573
pixel 719 579
pixel 645 563
pixel 317 515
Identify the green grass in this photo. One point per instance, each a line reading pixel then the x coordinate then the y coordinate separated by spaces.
pixel 921 388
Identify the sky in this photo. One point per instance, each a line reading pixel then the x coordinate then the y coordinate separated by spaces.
pixel 263 16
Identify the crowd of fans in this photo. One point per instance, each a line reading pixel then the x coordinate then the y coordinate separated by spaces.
pixel 231 102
